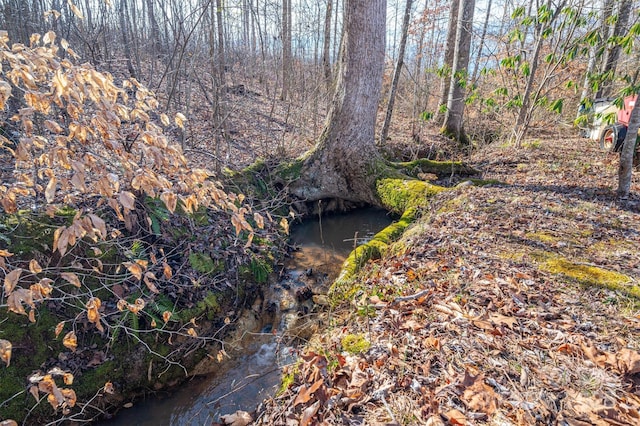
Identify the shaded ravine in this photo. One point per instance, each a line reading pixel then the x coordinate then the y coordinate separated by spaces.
pixel 322 244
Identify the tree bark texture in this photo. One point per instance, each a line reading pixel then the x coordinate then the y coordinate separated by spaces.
pixel 454 115
pixel 449 51
pixel 326 45
pixel 343 163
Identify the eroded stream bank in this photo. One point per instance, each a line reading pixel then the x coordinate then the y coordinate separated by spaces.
pixel 322 244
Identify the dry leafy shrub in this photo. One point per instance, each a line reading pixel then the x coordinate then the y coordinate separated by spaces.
pixel 76 141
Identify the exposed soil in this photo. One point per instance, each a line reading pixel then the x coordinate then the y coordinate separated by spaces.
pixel 511 304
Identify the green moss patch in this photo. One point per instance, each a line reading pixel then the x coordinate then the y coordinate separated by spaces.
pixel 400 194
pixel 591 275
pixel 437 167
pixel 354 343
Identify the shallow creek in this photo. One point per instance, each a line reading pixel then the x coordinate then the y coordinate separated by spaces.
pixel 243 382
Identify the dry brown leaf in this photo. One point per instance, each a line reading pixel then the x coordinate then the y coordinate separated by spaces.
pixel 34 267
pixel 166 271
pixel 499 319
pixel 5 351
pixel 170 200
pixel 19 297
pixel 628 361
pixel 127 200
pixel 134 268
pixel 304 394
pixel 150 285
pixel 479 396
pixel 50 191
pixel 71 278
pixel 59 328
pixel 455 417
pixel 93 314
pixel 70 341
pixel 309 413
pixel 101 226
pixel 10 281
pixel 239 418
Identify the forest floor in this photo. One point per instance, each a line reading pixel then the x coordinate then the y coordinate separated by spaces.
pixel 508 304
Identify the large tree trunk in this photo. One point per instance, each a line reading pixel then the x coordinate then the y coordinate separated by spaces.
pixel 454 115
pixel 447 64
pixel 344 162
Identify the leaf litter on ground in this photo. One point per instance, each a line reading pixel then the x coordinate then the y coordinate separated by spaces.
pixel 468 324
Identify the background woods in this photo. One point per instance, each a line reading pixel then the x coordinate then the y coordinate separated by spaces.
pixel 250 69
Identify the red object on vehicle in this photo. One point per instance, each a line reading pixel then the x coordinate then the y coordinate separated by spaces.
pixel 625 112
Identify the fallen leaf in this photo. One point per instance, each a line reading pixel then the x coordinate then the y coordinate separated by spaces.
pixel 239 418
pixel 455 417
pixel 479 396
pixel 304 395
pixel 309 413
pixel 628 361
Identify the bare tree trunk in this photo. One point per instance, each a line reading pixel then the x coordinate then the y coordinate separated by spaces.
pixel 156 43
pixel 454 115
pixel 286 49
pixel 476 64
pixel 396 73
pixel 341 164
pixel 125 37
pixel 625 172
pixel 326 46
pixel 447 64
pixel 220 55
pixel 613 52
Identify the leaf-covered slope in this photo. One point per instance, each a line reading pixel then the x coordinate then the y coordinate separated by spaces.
pixel 514 304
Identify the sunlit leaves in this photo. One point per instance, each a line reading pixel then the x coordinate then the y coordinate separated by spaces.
pixel 284 224
pixel 59 328
pixel 70 341
pixel 134 268
pixel 5 351
pixel 93 313
pixel 5 93
pixel 170 200
pixel 10 280
pixel 59 398
pixel 71 278
pixel 50 192
pixel 34 267
pixel 180 119
pixel 127 200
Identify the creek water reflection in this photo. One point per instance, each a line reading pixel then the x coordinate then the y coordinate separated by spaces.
pixel 322 246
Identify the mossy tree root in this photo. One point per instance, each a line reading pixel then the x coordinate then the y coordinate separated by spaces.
pixel 402 196
pixel 439 168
